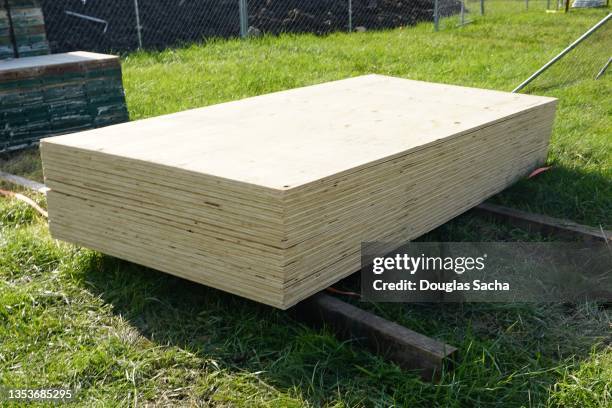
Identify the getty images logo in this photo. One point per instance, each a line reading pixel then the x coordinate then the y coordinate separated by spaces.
pixel 407 263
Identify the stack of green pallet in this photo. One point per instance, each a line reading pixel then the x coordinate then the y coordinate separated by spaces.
pixel 28 28
pixel 22 29
pixel 60 93
pixel 6 44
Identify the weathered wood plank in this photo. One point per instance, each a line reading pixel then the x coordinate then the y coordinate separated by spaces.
pixel 24 182
pixel 408 349
pixel 544 224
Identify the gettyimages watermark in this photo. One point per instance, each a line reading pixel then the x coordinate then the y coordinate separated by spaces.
pixel 486 272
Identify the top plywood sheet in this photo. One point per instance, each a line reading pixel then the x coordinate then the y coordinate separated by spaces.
pixel 53 60
pixel 288 139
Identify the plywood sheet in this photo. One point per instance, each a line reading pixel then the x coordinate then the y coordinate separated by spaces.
pixel 270 197
pixel 286 139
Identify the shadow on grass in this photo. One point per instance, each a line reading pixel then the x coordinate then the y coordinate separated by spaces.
pixel 240 335
pixel 505 349
pixel 576 195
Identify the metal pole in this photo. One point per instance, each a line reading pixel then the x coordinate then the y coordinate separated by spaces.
pixel 482 7
pixel 138 26
pixel 526 4
pixel 350 15
pixel 562 53
pixel 436 16
pixel 89 18
pixel 244 18
pixel 603 69
pixel 462 12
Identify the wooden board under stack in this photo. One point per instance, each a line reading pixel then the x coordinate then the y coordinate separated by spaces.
pixel 270 197
pixel 60 93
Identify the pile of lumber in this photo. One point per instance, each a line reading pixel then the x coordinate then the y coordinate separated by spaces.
pixel 56 94
pixel 7 50
pixel 270 197
pixel 28 27
pixel 22 29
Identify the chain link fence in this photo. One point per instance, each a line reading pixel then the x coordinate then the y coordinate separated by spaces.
pixel 583 65
pixel 457 13
pixel 450 14
pixel 516 6
pixel 126 25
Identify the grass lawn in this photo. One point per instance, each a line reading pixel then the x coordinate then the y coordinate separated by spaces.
pixel 124 335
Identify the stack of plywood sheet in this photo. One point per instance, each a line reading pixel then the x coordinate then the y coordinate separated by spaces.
pixel 270 197
pixel 59 93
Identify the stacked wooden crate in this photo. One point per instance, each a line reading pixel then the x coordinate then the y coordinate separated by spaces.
pixel 271 197
pixel 28 27
pixel 22 29
pixel 6 43
pixel 60 93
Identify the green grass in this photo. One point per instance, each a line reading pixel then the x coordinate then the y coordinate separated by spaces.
pixel 124 335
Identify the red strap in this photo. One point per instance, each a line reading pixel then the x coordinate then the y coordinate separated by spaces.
pixel 538 171
pixel 342 292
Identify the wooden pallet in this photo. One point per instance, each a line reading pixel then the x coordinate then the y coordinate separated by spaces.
pixel 22 29
pixel 56 94
pixel 7 49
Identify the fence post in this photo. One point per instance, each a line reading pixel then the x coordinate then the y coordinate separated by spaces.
pixel 244 18
pixel 350 15
pixel 436 16
pixel 462 12
pixel 482 7
pixel 526 4
pixel 138 26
